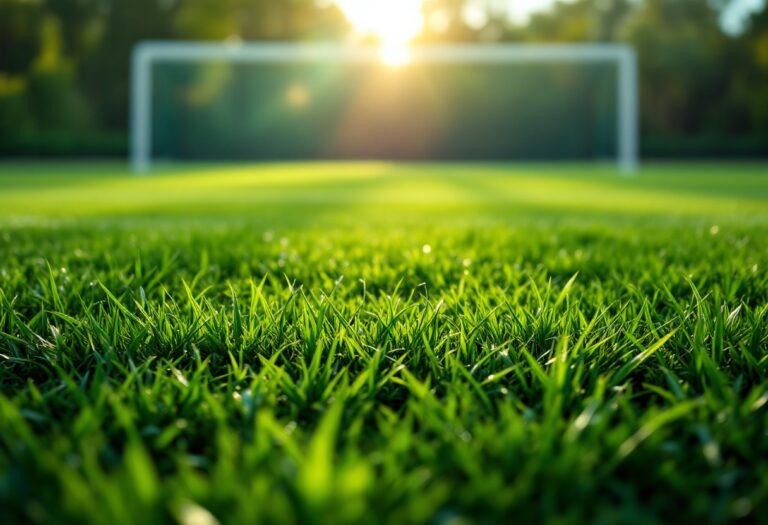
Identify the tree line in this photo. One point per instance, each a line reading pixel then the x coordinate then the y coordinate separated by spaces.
pixel 64 64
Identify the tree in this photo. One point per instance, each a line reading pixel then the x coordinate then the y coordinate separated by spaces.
pixel 19 35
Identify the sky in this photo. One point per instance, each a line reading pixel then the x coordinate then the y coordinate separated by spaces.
pixel 521 10
pixel 735 18
pixel 401 18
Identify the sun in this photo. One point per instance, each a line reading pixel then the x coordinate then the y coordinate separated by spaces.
pixel 393 23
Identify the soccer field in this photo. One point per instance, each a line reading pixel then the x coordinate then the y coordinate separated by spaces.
pixel 281 194
pixel 375 342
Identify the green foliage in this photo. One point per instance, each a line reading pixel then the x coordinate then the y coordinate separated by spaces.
pixel 55 101
pixel 19 35
pixel 47 99
pixel 14 113
pixel 383 344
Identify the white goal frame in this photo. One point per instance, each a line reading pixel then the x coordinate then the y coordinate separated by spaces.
pixel 147 54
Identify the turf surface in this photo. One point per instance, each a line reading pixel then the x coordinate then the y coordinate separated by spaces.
pixel 346 343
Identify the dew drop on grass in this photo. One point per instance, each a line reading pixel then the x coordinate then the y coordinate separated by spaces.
pixel 426 249
pixel 190 513
pixel 760 403
pixel 711 452
pixel 741 507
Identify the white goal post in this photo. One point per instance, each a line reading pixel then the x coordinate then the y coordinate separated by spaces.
pixel 148 54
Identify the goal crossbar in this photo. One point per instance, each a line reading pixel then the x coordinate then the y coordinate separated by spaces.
pixel 148 54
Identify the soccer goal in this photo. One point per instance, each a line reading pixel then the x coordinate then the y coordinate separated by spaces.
pixel 476 102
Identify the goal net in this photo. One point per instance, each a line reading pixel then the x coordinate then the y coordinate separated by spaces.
pixel 259 102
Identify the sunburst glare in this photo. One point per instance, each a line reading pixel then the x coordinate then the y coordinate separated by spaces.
pixel 393 23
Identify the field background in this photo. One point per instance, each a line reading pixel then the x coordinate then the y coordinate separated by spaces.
pixel 703 68
pixel 378 342
pixel 301 193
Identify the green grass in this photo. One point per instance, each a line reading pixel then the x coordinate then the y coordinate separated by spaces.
pixel 370 343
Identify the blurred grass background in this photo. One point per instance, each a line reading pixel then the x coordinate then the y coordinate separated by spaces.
pixel 379 192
